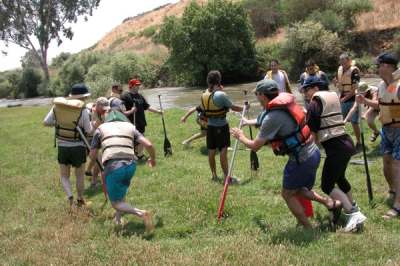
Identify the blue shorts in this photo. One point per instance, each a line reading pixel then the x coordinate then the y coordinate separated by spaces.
pixel 390 142
pixel 118 181
pixel 300 175
pixel 346 106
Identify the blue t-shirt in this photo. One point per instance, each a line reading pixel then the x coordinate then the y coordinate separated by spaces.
pixel 220 100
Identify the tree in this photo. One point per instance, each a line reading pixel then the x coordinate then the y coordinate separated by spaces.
pixel 33 24
pixel 216 36
pixel 29 82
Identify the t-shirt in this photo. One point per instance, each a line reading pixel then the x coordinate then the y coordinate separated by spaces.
pixel 340 145
pixel 277 124
pixel 84 123
pixel 111 165
pixel 129 98
pixel 221 100
pixel 279 77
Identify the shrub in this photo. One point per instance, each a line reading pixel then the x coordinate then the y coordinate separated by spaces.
pixel 366 63
pixel 30 80
pixel 149 31
pixel 311 40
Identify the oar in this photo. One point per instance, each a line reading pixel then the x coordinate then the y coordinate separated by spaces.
pixel 369 184
pixel 103 181
pixel 228 178
pixel 167 144
pixel 254 164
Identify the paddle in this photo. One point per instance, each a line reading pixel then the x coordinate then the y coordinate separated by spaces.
pixel 361 90
pixel 103 181
pixel 228 178
pixel 167 144
pixel 254 164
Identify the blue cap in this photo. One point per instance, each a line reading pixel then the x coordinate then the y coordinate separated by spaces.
pixel 312 81
pixel 387 58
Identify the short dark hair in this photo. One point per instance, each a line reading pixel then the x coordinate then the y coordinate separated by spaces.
pixel 271 95
pixel 274 60
pixel 214 78
pixel 310 62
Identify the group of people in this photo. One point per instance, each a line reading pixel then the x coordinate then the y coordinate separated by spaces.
pixel 117 124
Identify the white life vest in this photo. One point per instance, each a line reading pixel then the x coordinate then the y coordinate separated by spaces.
pixel 117 140
pixel 67 113
pixel 344 79
pixel 332 124
pixel 389 103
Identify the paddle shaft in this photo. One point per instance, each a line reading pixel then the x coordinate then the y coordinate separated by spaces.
pixel 369 184
pixel 227 179
pixel 162 116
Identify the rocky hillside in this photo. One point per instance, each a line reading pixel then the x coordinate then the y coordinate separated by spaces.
pixel 135 33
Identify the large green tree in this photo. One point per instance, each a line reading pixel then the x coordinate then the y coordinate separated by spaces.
pixel 217 35
pixel 33 24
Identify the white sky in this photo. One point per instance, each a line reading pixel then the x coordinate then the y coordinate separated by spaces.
pixel 107 16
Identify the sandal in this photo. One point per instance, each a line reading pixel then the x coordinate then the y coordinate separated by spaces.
pixel 336 211
pixel 374 136
pixel 392 213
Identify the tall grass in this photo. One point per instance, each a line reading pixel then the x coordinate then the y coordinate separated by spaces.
pixel 36 227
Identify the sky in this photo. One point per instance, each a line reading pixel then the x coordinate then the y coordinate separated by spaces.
pixel 106 17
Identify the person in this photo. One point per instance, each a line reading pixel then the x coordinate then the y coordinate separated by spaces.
pixel 115 99
pixel 201 121
pixel 389 114
pixel 312 69
pixel 370 92
pixel 325 120
pixel 215 104
pixel 136 104
pixel 283 126
pixel 347 79
pixel 279 75
pixel 115 138
pixel 65 115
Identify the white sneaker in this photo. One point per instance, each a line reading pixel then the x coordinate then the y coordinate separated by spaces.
pixel 355 219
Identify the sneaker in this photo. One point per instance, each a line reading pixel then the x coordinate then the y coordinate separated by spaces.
pixel 234 181
pixel 356 219
pixel 148 222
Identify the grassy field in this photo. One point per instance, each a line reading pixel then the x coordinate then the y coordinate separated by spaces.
pixel 36 227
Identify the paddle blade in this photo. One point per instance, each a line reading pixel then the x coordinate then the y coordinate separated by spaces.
pixel 167 148
pixel 254 161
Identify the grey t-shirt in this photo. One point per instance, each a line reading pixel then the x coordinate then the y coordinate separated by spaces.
pixel 111 165
pixel 278 123
pixel 117 104
pixel 221 100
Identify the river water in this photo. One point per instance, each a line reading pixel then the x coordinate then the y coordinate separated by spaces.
pixel 181 97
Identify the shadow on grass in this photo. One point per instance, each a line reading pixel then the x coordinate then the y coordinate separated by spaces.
pixel 204 150
pixel 93 191
pixel 300 236
pixel 137 228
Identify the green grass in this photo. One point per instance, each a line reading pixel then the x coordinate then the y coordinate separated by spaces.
pixel 36 227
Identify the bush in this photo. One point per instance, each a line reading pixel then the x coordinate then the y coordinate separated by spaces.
pixel 9 83
pixel 215 36
pixel 265 52
pixel 366 64
pixel 311 40
pixel 117 42
pixel 100 87
pixel 30 80
pixel 149 31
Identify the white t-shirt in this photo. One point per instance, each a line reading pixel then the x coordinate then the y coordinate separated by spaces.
pixel 280 79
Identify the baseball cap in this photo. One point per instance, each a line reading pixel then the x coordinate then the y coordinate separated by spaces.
pixel 267 86
pixel 387 58
pixel 312 81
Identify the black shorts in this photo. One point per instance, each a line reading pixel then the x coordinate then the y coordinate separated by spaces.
pixel 75 156
pixel 218 137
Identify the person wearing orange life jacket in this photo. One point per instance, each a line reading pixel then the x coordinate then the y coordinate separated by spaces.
pixel 279 75
pixel 389 115
pixel 116 137
pixel 347 79
pixel 325 121
pixel 284 127
pixel 65 115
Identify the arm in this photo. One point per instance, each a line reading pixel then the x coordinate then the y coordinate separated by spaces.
pixel 49 120
pixel 188 113
pixel 153 110
pixel 372 103
pixel 236 108
pixel 254 145
pixel 351 112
